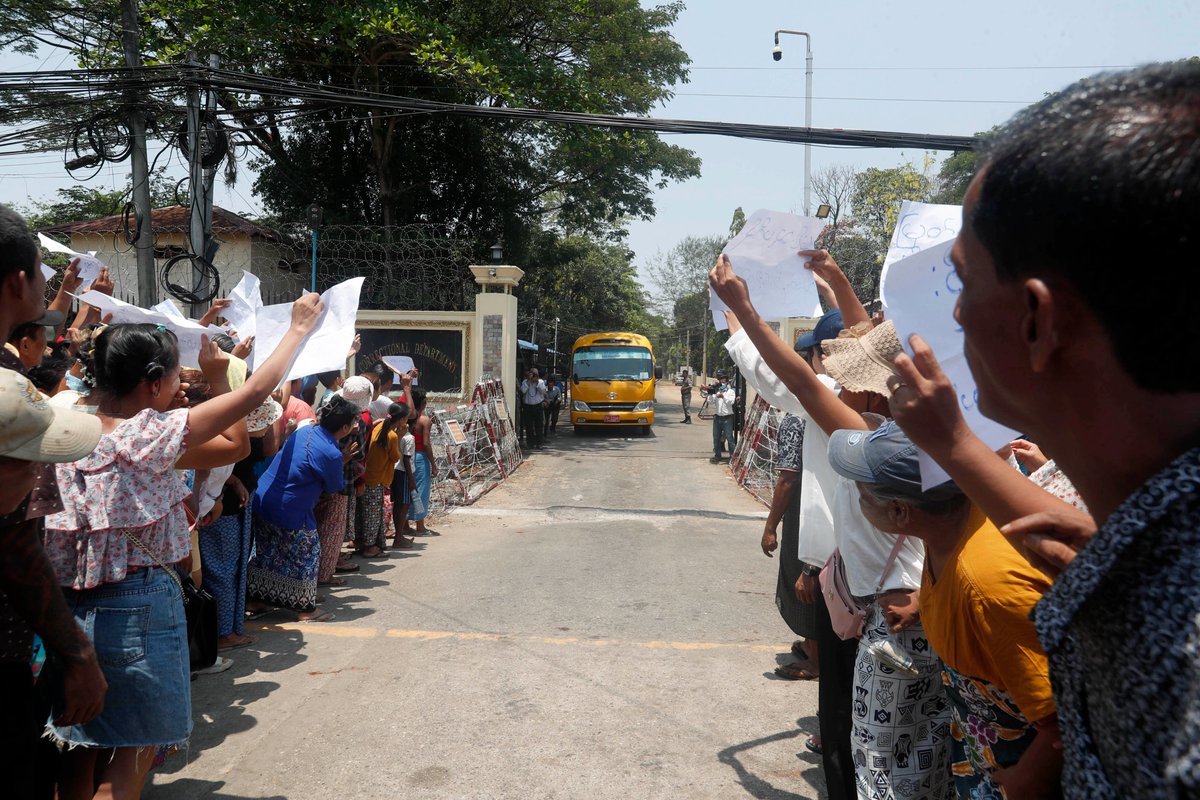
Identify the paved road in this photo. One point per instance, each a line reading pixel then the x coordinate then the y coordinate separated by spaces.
pixel 601 626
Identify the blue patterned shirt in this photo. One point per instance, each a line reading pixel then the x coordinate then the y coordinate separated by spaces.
pixel 1121 627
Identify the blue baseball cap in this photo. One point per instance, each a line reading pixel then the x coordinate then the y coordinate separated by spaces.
pixel 887 459
pixel 827 327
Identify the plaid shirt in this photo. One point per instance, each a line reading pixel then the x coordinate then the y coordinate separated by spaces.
pixel 1121 626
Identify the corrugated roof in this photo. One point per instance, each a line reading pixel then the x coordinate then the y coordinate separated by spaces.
pixel 225 223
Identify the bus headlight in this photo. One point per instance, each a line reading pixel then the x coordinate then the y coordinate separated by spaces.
pixel 579 405
pixel 645 405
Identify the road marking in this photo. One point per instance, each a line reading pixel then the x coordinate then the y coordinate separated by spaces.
pixel 344 632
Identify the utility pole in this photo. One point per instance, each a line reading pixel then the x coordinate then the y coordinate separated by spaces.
pixel 144 244
pixel 687 357
pixel 554 355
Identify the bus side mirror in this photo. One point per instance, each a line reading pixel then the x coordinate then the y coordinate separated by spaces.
pixel 658 372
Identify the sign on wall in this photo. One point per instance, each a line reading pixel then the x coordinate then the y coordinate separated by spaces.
pixel 438 354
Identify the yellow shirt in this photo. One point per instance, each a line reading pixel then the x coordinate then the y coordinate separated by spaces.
pixel 976 617
pixel 381 461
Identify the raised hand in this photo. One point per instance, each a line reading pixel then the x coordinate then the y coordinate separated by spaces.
pixel 306 311
pixel 1028 454
pixel 242 349
pixel 214 362
pixel 103 282
pixel 924 402
pixel 214 310
pixel 729 286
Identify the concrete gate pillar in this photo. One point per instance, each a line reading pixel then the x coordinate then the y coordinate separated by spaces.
pixel 495 348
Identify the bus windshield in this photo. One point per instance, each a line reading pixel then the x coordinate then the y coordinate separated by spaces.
pixel 609 363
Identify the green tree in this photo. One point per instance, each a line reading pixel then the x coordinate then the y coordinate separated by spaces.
pixel 954 176
pixel 77 203
pixel 878 193
pixel 683 269
pixel 739 222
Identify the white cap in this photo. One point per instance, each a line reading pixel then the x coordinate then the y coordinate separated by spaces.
pixel 33 430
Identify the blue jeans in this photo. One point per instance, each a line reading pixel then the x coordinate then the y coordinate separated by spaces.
pixel 140 635
pixel 723 431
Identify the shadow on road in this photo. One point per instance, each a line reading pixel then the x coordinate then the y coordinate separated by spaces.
pixel 760 787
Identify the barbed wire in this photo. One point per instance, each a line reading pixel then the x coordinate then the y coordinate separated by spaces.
pixel 406 267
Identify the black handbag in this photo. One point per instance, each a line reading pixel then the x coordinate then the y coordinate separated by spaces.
pixel 200 608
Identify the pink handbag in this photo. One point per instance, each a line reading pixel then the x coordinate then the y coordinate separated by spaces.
pixel 846 616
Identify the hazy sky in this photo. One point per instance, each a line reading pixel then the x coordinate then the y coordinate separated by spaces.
pixel 878 66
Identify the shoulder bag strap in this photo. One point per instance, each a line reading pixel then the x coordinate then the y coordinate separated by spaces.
pixel 891 560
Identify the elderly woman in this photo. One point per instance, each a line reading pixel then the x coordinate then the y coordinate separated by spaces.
pixel 283 571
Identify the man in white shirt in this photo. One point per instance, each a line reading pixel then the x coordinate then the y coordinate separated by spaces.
pixel 723 433
pixel 552 405
pixel 533 394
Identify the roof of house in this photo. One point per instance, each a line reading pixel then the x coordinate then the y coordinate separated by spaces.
pixel 224 223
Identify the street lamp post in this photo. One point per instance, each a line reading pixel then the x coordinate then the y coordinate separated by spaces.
pixel 777 54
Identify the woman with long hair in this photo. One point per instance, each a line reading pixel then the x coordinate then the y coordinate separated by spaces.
pixel 123 524
pixel 382 454
pixel 424 464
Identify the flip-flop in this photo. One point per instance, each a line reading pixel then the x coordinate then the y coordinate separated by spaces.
pixel 260 613
pixel 246 641
pixel 798 650
pixel 327 616
pixel 810 744
pixel 335 581
pixel 348 567
pixel 794 672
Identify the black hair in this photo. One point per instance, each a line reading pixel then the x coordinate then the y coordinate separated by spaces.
pixel 337 413
pixel 224 341
pixel 327 378
pixel 418 398
pixel 1066 174
pixel 397 412
pixel 23 330
pixel 127 354
pixel 18 249
pixel 87 352
pixel 381 371
pixel 48 374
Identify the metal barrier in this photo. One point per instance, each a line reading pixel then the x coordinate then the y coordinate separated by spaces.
pixel 753 460
pixel 476 447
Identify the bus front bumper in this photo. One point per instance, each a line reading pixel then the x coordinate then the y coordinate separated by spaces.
pixel 612 417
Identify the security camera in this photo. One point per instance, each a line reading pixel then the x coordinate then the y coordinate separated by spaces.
pixel 777 53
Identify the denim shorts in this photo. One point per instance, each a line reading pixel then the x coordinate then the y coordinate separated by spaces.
pixel 140 634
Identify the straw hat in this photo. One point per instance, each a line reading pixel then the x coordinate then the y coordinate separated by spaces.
pixel 862 361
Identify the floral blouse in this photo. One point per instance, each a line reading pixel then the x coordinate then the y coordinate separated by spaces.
pixel 127 485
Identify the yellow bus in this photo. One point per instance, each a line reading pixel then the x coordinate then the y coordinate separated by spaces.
pixel 613 377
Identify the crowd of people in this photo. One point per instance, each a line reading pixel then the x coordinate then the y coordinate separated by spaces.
pixel 1030 627
pixel 126 481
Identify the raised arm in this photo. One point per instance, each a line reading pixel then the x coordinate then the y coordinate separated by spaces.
pixel 210 418
pixel 824 267
pixel 797 375
pixel 925 404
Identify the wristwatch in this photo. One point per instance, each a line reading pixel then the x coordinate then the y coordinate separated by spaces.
pixel 809 570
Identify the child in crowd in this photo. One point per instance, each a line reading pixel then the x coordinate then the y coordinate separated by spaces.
pixel 383 454
pixel 403 487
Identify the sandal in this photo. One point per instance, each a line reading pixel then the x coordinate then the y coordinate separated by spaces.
pixel 325 616
pixel 349 566
pixel 241 641
pixel 794 672
pixel 366 553
pixel 334 581
pixel 812 745
pixel 401 543
pixel 798 650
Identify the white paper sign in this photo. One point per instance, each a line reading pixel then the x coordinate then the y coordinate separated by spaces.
pixel 169 308
pixel 919 293
pixel 400 365
pixel 764 255
pixel 326 347
pixel 48 272
pixel 921 226
pixel 89 265
pixel 186 331
pixel 242 313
